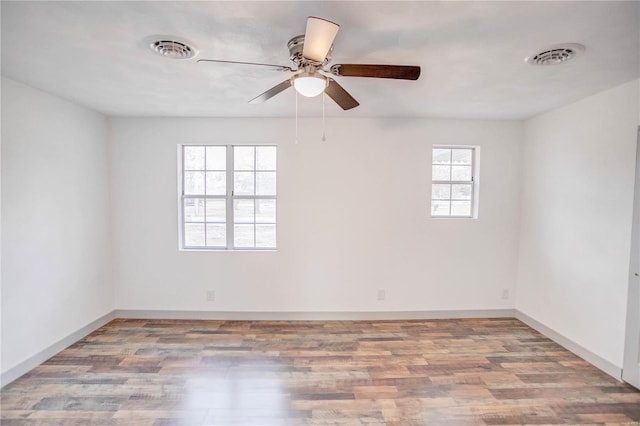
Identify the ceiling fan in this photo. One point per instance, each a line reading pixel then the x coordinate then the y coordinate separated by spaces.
pixel 310 53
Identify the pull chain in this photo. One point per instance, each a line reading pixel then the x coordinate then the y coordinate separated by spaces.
pixel 324 137
pixel 296 117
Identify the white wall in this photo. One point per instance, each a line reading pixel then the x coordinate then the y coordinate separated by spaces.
pixel 55 221
pixel 575 228
pixel 353 218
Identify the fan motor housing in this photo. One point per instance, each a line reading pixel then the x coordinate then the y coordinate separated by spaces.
pixel 296 45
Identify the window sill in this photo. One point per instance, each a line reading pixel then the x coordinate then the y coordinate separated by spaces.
pixel 452 217
pixel 205 250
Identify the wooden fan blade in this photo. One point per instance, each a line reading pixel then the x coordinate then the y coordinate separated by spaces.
pixel 340 96
pixel 402 72
pixel 276 67
pixel 318 38
pixel 271 92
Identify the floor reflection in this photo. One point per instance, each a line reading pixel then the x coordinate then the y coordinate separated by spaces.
pixel 249 391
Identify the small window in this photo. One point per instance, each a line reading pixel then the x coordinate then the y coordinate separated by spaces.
pixel 227 197
pixel 453 185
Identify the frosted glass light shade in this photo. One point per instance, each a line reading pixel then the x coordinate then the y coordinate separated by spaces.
pixel 310 86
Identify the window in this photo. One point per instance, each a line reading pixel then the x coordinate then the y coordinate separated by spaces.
pixel 228 197
pixel 453 185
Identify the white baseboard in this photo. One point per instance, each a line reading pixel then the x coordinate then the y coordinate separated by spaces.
pixel 27 365
pixel 601 363
pixel 37 359
pixel 313 316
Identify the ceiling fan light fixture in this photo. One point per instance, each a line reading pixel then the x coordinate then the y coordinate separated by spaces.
pixel 310 53
pixel 309 84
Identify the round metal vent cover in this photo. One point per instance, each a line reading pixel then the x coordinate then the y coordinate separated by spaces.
pixel 554 55
pixel 173 49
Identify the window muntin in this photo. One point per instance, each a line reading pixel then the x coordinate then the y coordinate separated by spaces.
pixel 453 184
pixel 228 197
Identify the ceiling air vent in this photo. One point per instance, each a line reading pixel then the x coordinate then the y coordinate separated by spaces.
pixel 173 49
pixel 555 55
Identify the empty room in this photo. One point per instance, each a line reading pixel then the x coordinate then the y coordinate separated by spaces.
pixel 320 213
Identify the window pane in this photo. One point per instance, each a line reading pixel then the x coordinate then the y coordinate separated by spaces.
pixel 243 157
pixel 461 156
pixel 461 191
pixel 216 211
pixel 243 236
pixel 194 183
pixel 441 173
pixel 205 196
pixel 216 158
pixel 216 235
pixel 452 164
pixel 193 157
pixel 461 208
pixel 243 211
pixel 266 236
pixel 439 208
pixel 216 183
pixel 461 173
pixel 265 211
pixel 266 157
pixel 193 210
pixel 243 184
pixel 266 183
pixel 441 156
pixel 441 191
pixel 194 234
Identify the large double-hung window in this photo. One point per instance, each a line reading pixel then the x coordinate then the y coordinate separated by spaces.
pixel 227 197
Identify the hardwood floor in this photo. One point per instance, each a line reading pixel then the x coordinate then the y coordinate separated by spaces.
pixel 436 372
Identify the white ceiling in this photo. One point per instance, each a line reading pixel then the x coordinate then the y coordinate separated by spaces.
pixel 471 54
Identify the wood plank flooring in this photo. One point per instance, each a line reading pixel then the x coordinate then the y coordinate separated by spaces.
pixel 436 372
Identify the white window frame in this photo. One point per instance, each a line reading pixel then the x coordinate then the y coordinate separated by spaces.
pixel 475 179
pixel 229 197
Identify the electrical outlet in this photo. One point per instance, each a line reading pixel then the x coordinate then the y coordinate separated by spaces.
pixel 505 293
pixel 211 296
pixel 382 294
